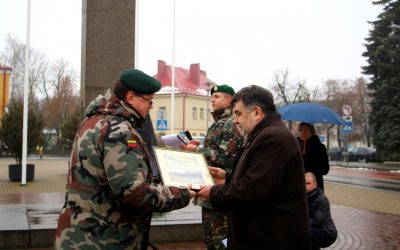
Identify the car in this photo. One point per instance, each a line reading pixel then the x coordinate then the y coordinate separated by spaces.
pixel 361 154
pixel 335 153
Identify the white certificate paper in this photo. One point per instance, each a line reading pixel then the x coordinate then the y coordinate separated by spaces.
pixel 180 168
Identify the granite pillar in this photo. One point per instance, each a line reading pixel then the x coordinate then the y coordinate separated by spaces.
pixel 108 44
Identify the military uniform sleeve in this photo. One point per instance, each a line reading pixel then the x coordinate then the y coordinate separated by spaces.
pixel 127 170
pixel 223 145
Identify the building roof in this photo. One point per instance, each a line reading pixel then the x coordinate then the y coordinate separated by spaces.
pixel 192 81
pixel 5 67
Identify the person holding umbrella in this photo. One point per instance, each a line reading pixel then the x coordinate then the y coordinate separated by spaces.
pixel 314 153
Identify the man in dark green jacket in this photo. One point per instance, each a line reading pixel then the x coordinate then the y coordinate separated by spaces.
pixel 220 145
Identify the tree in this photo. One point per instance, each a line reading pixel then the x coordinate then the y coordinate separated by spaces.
pixel 361 109
pixel 383 57
pixel 14 56
pixel 51 85
pixel 71 125
pixel 353 93
pixel 287 91
pixel 330 95
pixel 12 126
pixel 60 98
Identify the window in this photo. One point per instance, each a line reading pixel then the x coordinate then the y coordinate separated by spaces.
pixel 202 114
pixel 194 114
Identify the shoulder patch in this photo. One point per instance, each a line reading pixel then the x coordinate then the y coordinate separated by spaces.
pixel 131 143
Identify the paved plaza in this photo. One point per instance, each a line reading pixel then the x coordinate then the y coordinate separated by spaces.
pixel 366 218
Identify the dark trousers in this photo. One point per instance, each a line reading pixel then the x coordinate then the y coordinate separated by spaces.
pixel 320 238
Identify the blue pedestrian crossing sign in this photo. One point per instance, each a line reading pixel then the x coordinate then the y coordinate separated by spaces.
pixel 348 127
pixel 162 124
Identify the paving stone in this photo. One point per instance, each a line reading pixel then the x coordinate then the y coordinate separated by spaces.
pixel 366 218
pixel 363 229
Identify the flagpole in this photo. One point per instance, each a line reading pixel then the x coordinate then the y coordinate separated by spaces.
pixel 26 82
pixel 173 69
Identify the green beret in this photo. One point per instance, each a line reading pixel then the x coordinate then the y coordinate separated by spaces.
pixel 139 82
pixel 223 88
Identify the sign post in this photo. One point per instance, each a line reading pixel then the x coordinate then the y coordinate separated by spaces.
pixel 162 122
pixel 348 118
pixel 162 125
pixel 348 126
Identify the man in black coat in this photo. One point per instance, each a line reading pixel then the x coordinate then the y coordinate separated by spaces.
pixel 322 228
pixel 264 195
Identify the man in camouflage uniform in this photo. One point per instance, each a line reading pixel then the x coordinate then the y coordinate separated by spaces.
pixel 219 148
pixel 111 192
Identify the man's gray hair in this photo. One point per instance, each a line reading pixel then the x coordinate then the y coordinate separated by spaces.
pixel 254 95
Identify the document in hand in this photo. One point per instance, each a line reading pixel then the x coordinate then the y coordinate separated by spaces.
pixel 181 168
pixel 174 140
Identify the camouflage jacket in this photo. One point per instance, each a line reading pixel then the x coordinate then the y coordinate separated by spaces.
pixel 111 192
pixel 220 145
pixel 222 140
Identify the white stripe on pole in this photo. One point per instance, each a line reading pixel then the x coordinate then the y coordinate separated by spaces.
pixel 26 82
pixel 173 69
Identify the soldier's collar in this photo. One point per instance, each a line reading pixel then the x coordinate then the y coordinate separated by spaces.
pixel 135 117
pixel 221 113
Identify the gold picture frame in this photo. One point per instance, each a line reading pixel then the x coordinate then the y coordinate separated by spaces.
pixel 181 168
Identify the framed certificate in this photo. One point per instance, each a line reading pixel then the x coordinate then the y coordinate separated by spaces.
pixel 180 168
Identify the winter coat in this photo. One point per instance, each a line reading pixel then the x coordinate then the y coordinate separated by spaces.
pixel 315 158
pixel 265 199
pixel 319 212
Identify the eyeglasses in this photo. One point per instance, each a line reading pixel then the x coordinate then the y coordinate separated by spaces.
pixel 147 100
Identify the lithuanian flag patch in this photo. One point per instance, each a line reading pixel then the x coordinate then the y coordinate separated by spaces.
pixel 131 143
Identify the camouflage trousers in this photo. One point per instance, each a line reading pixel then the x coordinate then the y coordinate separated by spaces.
pixel 215 227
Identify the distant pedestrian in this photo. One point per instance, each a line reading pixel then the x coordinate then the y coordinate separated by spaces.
pixel 41 152
pixel 314 153
pixel 322 228
pixel 111 190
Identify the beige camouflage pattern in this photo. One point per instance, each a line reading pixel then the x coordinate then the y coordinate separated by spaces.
pixel 222 140
pixel 111 192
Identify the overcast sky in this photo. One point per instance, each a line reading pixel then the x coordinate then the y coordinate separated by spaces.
pixel 236 42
